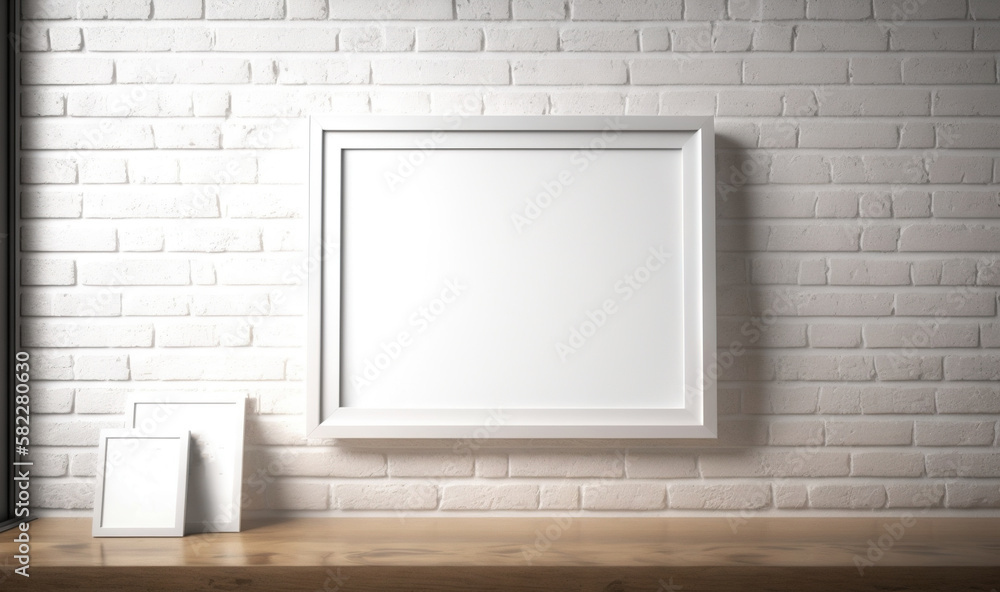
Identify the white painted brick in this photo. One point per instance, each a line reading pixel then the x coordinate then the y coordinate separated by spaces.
pixel 559 497
pixel 723 36
pixel 916 135
pixel 637 10
pixel 401 102
pixel 399 10
pixel 838 134
pixel 803 168
pixel 790 496
pixel 135 272
pixel 46 170
pixel 100 400
pixel 48 272
pixel 949 70
pixel 966 101
pixel 539 9
pixel 48 9
pixel 326 461
pixel 840 37
pixel 377 38
pixel 841 10
pixel 50 400
pixel 892 400
pixel 869 433
pixel 47 464
pixel 687 102
pixel 847 497
pixel 795 432
pixel 100 367
pixel 579 103
pixel 987 38
pixel 189 204
pixel 244 10
pixel 868 304
pixel 990 334
pixel 951 304
pixel 482 9
pixel 951 237
pixel 914 335
pixel 140 239
pixel 774 399
pixel 865 272
pixel 963 464
pixel 107 134
pixel 959 168
pixel 742 102
pixel 295 496
pixel 654 38
pixel 67 237
pixel 954 433
pixel 521 38
pixel 876 70
pixel 442 71
pixel 70 495
pixel 103 170
pixel 568 71
pixel 825 367
pixel 234 167
pixel 132 102
pixel 624 496
pixel 177 9
pixel 887 464
pixel 491 466
pixel 182 70
pixel 914 495
pixel 430 464
pixel 449 39
pixel 984 10
pixel 276 39
pixel 119 9
pixel 911 204
pixel 193 334
pixel 797 70
pixel 203 367
pixel 982 134
pixel 567 464
pixel 908 367
pixel 154 305
pixel 891 10
pixel 972 367
pixel 323 71
pixel 32 38
pixel 686 70
pixel 695 37
pixel 489 497
pixel 772 37
pixel 812 272
pixel 63 304
pixel 386 496
pixel 924 38
pixel 41 103
pixel 736 496
pixel 307 9
pixel 810 462
pixel 760 10
pixel 658 465
pixel 530 103
pixel 586 38
pixel 966 494
pixel 126 38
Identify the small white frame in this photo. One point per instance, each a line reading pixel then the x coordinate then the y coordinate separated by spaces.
pixel 216 422
pixel 141 484
pixel 339 151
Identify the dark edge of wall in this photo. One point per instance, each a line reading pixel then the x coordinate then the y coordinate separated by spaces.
pixel 7 518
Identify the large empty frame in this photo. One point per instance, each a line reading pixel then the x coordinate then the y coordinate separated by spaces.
pixel 512 277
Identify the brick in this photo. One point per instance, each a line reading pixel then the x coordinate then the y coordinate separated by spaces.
pixel 521 38
pixel 797 70
pixel 868 304
pixel 984 10
pixel 67 237
pixel 840 37
pixel 568 71
pixel 824 134
pixel 887 464
pixel 103 170
pixel 876 70
pixel 539 9
pixel 799 168
pixel 812 272
pixel 624 496
pixel 87 136
pixel 62 304
pixel 275 39
pixel 972 367
pixel 963 464
pixel 949 70
pixel 735 496
pixel 120 9
pixel 697 37
pixel 790 496
pixel 764 10
pixel 774 271
pixel 834 335
pixel 100 400
pixel 867 272
pixel 181 70
pixel 908 367
pixel 982 134
pixel 704 10
pixel 911 204
pixel 559 497
pixel 66 39
pixel 685 70
pixel 45 170
pixel 482 9
pixel 491 466
pixel 449 39
pixel 959 168
pixel 489 497
pixel 772 37
pixel 942 272
pixel 916 135
pixel 966 101
pixel 891 10
pixel 430 465
pixel 48 272
pixel 581 38
pixel 566 464
pixel 135 272
pixel 954 433
pixel 742 102
pixel 825 367
pixel 245 10
pixel 775 399
pixel 987 38
pixel 920 38
pixel 203 367
pixel 154 305
pixel 117 102
pixel 916 335
pixel 949 237
pixel 50 400
pixel 689 102
pixel 386 496
pixel 153 205
pixel 48 493
pixel 42 103
pixel 870 102
pixel 968 399
pixel 100 367
pixel 842 10
pixel 377 38
pixel 440 71
pixel 177 9
pixel 869 433
pixel 191 334
pixel 637 10
pixel 807 462
pixel 55 334
pixel 578 103
pixel 965 494
pixel 914 495
pixel 846 497
pixel 656 465
pixel 48 9
pixel 45 69
pixel 877 400
pixel 795 432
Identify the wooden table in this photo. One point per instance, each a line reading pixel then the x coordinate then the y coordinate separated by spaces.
pixel 555 553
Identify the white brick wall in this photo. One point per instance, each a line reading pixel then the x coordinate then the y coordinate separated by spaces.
pixel 163 207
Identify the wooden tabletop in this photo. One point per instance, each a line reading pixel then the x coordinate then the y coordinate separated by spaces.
pixel 555 541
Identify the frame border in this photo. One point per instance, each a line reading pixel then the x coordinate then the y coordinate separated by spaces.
pixel 698 419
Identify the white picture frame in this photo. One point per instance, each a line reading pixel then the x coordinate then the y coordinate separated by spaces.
pixel 383 190
pixel 141 484
pixel 216 422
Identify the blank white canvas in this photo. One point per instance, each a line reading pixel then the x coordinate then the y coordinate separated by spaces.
pixel 451 220
pixel 140 482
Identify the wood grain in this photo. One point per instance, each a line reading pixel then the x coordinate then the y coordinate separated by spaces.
pixel 501 554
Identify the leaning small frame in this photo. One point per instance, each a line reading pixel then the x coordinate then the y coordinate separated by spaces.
pixel 511 277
